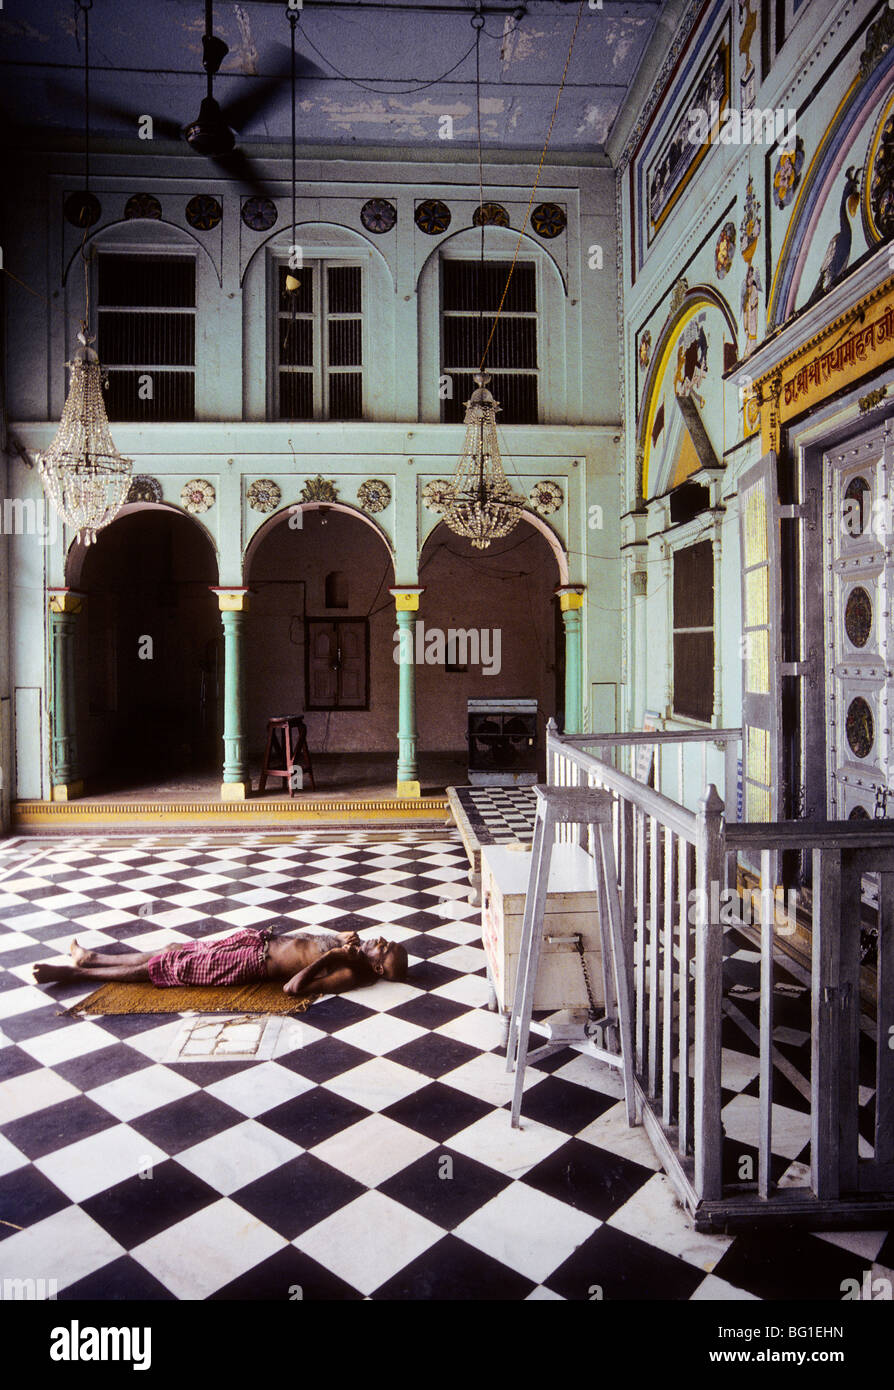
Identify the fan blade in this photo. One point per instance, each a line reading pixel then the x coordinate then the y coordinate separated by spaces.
pixel 237 166
pixel 240 110
pixel 162 125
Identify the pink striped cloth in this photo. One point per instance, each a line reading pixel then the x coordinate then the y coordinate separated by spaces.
pixel 236 960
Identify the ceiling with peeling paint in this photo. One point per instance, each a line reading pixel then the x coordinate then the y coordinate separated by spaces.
pixel 373 72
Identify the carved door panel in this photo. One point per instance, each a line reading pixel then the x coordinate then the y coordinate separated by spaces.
pixel 859 625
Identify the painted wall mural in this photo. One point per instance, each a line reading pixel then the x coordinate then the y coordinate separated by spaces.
pixel 851 167
pixel 748 22
pixel 672 169
pixel 724 250
pixel 683 427
pixel 838 251
pixel 787 174
pixel 750 226
pixel 878 179
pixel 750 304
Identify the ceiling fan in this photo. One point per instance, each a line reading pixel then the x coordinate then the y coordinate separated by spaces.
pixel 213 132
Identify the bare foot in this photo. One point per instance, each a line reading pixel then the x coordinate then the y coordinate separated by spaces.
pixel 79 954
pixel 55 974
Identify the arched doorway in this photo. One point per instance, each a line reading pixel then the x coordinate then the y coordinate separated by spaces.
pixel 148 651
pixel 319 642
pixel 505 594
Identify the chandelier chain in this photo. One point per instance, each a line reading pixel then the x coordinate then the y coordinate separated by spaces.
pixel 534 189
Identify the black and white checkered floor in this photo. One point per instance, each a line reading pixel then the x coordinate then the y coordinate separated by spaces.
pixel 499 815
pixel 370 1155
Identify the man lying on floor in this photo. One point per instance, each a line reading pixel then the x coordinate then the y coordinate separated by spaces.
pixel 308 962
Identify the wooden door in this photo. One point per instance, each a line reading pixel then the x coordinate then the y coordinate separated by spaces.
pixel 337 664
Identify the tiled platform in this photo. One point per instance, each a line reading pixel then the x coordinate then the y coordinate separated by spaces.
pixel 370 1155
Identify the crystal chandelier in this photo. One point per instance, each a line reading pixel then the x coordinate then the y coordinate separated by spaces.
pixel 83 475
pixel 481 505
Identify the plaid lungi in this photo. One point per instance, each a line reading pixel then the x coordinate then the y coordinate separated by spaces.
pixel 236 960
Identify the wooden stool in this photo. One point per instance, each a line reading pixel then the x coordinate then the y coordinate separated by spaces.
pixel 573 806
pixel 289 735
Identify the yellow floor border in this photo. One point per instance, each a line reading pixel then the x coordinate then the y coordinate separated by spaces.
pixel 59 814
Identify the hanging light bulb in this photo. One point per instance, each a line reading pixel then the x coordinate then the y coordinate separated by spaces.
pixel 82 472
pixel 481 504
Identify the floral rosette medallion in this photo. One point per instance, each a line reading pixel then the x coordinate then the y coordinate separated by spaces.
pixel 436 495
pixel 198 496
pixel 546 498
pixel 144 488
pixel 374 495
pixel 264 495
pixel 378 215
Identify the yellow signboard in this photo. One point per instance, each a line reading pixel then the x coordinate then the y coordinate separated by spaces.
pixel 850 348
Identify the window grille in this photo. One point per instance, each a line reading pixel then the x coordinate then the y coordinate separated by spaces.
pixel 146 335
pixel 694 631
pixel 470 296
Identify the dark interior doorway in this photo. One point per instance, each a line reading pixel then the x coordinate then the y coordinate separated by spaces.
pixel 148 656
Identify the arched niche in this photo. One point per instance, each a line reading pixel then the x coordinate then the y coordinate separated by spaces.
pixel 850 140
pixel 505 595
pixel 78 552
pixel 319 241
pixel 148 660
pixel 552 293
pixel 432 521
pixel 685 375
pixel 134 237
pixel 288 625
pixel 291 515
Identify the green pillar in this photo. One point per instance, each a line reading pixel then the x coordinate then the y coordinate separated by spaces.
pixel 406 603
pixel 236 784
pixel 65 776
pixel 571 598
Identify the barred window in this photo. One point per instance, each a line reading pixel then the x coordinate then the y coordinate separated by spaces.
pixel 694 631
pixel 470 296
pixel 319 343
pixel 146 335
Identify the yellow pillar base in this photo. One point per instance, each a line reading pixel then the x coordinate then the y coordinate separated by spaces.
pixel 409 789
pixel 66 791
pixel 235 791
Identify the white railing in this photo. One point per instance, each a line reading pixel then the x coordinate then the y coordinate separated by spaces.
pixel 675 869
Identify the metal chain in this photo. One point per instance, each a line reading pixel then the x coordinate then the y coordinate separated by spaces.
pixel 594 1012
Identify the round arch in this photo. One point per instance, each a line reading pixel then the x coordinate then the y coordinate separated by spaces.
pixel 78 552
pixel 318 637
pixel 537 522
pixel 352 238
pixel 148 669
pixel 282 514
pixel 559 380
pixel 697 298
pixel 818 185
pixel 495 239
pixel 507 636
pixel 151 235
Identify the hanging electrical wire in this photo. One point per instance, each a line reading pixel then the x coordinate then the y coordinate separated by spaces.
pixel 534 189
pixel 399 91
